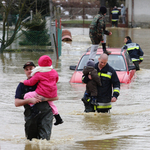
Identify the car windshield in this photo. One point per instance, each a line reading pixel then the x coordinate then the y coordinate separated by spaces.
pixel 116 61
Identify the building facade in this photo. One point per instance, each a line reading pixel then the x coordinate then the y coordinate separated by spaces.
pixel 138 13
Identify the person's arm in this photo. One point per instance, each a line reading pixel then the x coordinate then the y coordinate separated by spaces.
pixel 85 79
pixel 141 53
pixel 42 98
pixel 107 32
pixel 32 81
pixel 116 86
pixel 22 102
pixel 19 101
pixel 37 99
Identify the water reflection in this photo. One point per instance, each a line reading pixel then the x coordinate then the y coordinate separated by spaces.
pixel 126 127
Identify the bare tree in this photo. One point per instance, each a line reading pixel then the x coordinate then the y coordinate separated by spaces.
pixel 10 6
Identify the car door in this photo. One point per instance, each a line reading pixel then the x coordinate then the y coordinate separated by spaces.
pixel 129 63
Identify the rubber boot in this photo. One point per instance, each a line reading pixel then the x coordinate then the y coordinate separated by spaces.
pixel 58 120
pixel 104 49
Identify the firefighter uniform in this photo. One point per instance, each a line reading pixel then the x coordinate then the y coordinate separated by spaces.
pixel 109 79
pixel 115 16
pixel 135 53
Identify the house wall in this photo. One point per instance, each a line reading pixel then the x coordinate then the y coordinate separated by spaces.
pixel 140 15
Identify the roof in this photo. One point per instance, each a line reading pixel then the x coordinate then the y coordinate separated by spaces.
pixel 100 50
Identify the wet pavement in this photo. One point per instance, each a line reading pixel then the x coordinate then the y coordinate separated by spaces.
pixel 126 127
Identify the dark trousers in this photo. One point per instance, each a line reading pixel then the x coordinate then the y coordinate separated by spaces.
pixel 90 108
pixel 115 23
pixel 40 126
pixel 136 63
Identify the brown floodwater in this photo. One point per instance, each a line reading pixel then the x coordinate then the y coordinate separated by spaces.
pixel 127 126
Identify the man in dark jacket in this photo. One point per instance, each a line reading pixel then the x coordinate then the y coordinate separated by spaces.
pixel 91 86
pixel 134 51
pixel 97 32
pixel 115 16
pixel 109 79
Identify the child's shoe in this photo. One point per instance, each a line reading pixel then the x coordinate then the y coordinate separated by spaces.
pixel 58 120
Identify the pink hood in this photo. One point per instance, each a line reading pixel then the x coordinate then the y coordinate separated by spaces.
pixel 44 61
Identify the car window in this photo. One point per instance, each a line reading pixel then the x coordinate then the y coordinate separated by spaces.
pixel 116 61
pixel 84 60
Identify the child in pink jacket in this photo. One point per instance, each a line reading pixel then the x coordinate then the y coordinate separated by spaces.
pixel 46 77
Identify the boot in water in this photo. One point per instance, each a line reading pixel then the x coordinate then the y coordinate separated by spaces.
pixel 58 120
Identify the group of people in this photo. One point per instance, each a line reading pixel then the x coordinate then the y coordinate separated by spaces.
pixel 38 92
pixel 116 13
pixel 100 78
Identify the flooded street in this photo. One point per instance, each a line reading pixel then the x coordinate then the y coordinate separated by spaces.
pixel 126 127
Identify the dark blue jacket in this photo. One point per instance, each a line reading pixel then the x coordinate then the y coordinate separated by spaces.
pixel 134 50
pixel 109 79
pixel 115 14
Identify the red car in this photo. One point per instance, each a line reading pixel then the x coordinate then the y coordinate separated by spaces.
pixel 119 60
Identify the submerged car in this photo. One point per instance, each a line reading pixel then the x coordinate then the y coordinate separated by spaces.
pixel 118 59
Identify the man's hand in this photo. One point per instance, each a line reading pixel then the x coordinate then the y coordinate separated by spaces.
pixel 113 99
pixel 89 76
pixel 39 97
pixel 34 100
pixel 110 33
pixel 42 98
pixel 22 81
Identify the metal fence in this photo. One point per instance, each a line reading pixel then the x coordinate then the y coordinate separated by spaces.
pixel 70 13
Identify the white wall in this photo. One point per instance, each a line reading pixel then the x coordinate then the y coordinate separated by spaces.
pixel 141 12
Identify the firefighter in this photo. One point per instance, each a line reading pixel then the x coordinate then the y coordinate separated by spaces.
pixel 105 95
pixel 134 51
pixel 115 16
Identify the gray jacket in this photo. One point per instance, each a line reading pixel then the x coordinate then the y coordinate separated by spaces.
pixel 123 11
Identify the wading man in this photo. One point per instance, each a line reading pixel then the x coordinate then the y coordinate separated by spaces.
pixel 109 80
pixel 38 124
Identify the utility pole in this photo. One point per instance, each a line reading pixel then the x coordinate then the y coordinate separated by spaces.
pixel 50 9
pixel 83 12
pixel 52 28
pixel 132 17
pixel 36 6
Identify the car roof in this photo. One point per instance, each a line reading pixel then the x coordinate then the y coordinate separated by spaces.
pixel 114 51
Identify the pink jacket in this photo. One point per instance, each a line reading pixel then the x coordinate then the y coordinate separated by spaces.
pixel 46 83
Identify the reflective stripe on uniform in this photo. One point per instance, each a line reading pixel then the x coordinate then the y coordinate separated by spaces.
pixel 103 106
pixel 108 75
pixel 88 100
pixel 141 57
pixel 83 79
pixel 132 46
pixel 134 59
pixel 116 90
pixel 114 11
pixel 114 19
